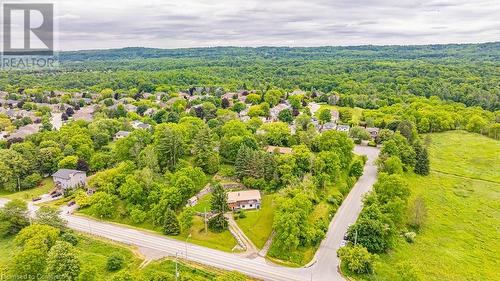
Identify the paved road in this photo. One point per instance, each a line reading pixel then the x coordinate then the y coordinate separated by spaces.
pixel 324 269
pixel 3 202
pixel 327 262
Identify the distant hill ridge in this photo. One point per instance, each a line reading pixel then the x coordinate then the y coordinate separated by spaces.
pixel 483 51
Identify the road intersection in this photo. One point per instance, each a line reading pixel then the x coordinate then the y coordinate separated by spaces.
pixel 323 268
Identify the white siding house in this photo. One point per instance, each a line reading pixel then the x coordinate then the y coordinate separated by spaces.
pixel 66 178
pixel 246 199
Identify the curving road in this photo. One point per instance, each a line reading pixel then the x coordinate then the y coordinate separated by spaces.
pixel 326 260
pixel 323 268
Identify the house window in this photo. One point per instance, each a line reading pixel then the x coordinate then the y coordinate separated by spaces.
pixel 250 205
pixel 243 206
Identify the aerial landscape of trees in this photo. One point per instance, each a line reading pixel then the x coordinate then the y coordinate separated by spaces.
pixel 173 131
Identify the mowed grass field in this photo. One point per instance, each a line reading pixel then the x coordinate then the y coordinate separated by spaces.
pixel 460 237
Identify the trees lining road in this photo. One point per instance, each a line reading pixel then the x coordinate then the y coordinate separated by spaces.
pixel 323 268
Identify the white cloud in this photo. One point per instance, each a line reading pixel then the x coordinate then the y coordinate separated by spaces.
pixel 91 24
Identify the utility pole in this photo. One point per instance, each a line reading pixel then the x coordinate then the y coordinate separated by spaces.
pixel 205 220
pixel 176 270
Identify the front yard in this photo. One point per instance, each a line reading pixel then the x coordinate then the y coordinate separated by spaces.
pixel 258 224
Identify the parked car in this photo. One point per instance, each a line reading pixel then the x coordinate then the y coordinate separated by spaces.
pixel 343 243
pixel 71 203
pixel 36 199
pixel 57 194
pixel 54 192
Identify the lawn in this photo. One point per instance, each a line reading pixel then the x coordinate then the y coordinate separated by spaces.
pixel 258 224
pixel 459 240
pixel 203 204
pixel 45 186
pixel 93 254
pixel 223 241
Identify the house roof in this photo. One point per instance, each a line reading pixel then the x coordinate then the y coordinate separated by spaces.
pixel 281 150
pixel 122 133
pixel 66 173
pixel 25 131
pixel 244 195
pixel 343 127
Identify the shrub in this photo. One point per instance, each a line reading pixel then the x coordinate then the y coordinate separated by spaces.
pixel 356 169
pixel 357 259
pixel 31 181
pixel 242 214
pixel 70 238
pixel 218 223
pixel 137 215
pixel 115 262
pixel 335 199
pixel 392 165
pixel 410 236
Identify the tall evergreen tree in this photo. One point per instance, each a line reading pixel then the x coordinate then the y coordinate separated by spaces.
pixel 219 206
pixel 242 162
pixel 171 223
pixel 204 155
pixel 422 165
pixel 169 144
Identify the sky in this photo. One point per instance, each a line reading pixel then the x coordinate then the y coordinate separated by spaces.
pixel 91 24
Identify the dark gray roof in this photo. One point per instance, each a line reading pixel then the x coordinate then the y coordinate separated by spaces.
pixel 65 173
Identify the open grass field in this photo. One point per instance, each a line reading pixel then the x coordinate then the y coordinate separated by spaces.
pixel 258 224
pixel 465 154
pixel 460 237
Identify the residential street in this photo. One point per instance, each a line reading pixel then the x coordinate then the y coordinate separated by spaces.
pixel 326 258
pixel 324 267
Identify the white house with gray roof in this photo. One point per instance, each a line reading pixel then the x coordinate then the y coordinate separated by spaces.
pixel 66 178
